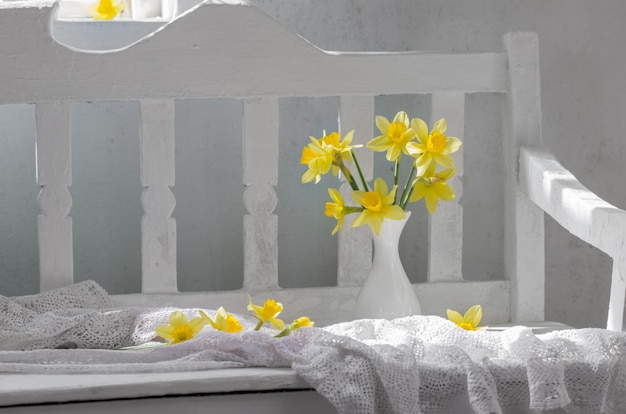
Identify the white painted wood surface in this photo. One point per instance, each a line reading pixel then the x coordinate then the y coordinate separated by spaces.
pixel 327 305
pixel 16 388
pixel 553 188
pixel 354 261
pixel 54 176
pixel 260 175
pixel 306 402
pixel 445 228
pixel 257 57
pixel 158 228
pixel 523 221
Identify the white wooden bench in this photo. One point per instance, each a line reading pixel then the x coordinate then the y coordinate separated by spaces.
pixel 229 50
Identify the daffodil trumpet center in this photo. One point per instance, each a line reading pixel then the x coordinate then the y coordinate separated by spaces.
pixel 467 326
pixel 183 333
pixel 436 142
pixel 396 132
pixel 372 201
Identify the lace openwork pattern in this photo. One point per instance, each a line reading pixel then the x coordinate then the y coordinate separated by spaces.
pixel 419 364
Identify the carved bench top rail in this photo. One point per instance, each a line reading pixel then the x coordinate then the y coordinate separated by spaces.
pixel 188 60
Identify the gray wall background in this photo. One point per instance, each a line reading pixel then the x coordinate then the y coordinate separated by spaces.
pixel 584 97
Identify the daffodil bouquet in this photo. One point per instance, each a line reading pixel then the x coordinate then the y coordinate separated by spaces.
pixel 426 150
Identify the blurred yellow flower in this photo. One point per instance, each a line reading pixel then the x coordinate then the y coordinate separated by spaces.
pixel 106 9
pixel 301 322
pixel 395 136
pixel 377 205
pixel 434 147
pixel 267 313
pixel 470 320
pixel 318 158
pixel 335 209
pixel 179 329
pixel 433 188
pixel 224 322
pixel 343 148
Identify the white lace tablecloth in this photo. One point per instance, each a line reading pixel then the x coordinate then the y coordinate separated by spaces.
pixel 419 364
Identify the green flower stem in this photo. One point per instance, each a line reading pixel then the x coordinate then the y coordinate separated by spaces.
pixel 396 174
pixel 358 168
pixel 407 186
pixel 346 171
pixel 258 325
pixel 352 209
pixel 283 333
pixel 408 196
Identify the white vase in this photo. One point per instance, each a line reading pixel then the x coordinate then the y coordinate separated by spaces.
pixel 387 292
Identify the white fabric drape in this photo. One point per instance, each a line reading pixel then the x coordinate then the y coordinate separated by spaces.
pixel 418 364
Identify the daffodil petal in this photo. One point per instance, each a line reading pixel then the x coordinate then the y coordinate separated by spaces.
pixel 443 191
pixel 393 153
pixel 309 176
pixel 419 190
pixel 360 219
pixel 379 143
pixel 415 148
pixel 445 161
pixel 402 117
pixel 277 324
pixel 382 124
pixel 453 144
pixel 421 129
pixel 440 125
pixel 164 331
pixel 376 224
pixel 358 195
pixel 394 212
pixel 432 201
pixel 177 318
pixel 446 174
pixel 454 316
pixel 474 315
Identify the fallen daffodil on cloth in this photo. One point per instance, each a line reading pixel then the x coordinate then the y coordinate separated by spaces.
pixel 301 322
pixel 400 137
pixel 179 329
pixel 470 320
pixel 267 313
pixel 224 322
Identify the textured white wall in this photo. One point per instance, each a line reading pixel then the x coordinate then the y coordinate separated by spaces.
pixel 583 98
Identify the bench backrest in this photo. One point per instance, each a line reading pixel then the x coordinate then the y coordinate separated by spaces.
pixel 236 51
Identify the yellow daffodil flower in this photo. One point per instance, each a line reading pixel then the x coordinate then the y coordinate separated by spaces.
pixel 224 322
pixel 106 9
pixel 433 187
pixel 179 329
pixel 301 322
pixel 318 158
pixel 267 313
pixel 335 209
pixel 470 320
pixel 395 136
pixel 377 205
pixel 326 153
pixel 434 147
